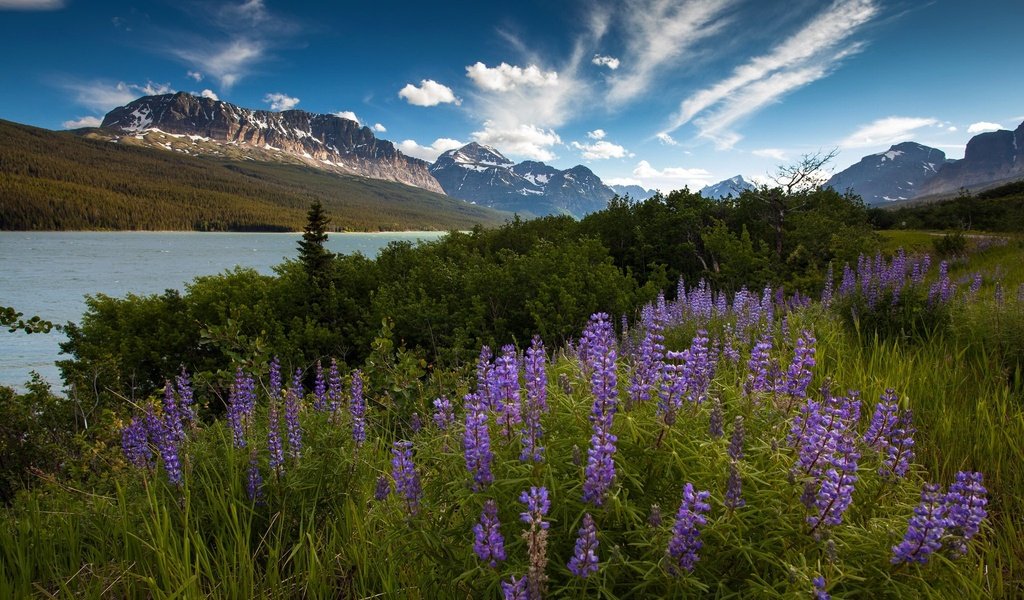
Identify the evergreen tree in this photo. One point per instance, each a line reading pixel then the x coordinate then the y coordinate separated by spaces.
pixel 315 258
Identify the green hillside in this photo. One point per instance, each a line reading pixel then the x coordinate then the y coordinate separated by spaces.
pixel 63 181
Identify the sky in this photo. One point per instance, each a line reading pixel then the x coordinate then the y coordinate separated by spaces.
pixel 660 93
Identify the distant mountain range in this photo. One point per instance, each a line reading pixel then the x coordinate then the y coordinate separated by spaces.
pixel 635 192
pixel 913 172
pixel 729 187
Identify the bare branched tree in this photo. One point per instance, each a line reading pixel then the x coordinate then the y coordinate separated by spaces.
pixel 805 175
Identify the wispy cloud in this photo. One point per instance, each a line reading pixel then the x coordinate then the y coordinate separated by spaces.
pixel 890 130
pixel 431 152
pixel 810 54
pixel 597 134
pixel 103 95
pixel 983 126
pixel 82 122
pixel 429 93
pixel 666 139
pixel 279 101
pixel 773 153
pixel 661 33
pixel 347 114
pixel 671 178
pixel 227 61
pixel 31 4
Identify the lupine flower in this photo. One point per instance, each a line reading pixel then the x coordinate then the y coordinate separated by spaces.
pixel 685 542
pixel 834 496
pixel 654 518
pixel 965 502
pixel 900 450
pixel 167 445
pixel 292 404
pixel 334 387
pixel 275 378
pixel 819 589
pixel 383 489
pixel 407 481
pixel 883 421
pixel 477 442
pixel 357 408
pixel 274 435
pixel 736 440
pixel 536 402
pixel 505 390
pixel 924 530
pixel 172 415
pixel 483 376
pixel 826 293
pixel 319 389
pixel 444 414
pixel 584 557
pixel 254 481
pixel 757 367
pixel 537 505
pixel 651 357
pixel 798 377
pixel 241 403
pixel 415 422
pixel 135 444
pixel 716 427
pixel 601 357
pixel 734 488
pixel 514 589
pixel 600 471
pixel 729 351
pixel 488 543
pixel 188 413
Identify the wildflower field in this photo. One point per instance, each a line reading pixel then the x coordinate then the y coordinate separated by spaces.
pixel 866 443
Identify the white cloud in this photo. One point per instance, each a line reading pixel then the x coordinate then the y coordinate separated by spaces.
pixel 605 61
pixel 806 56
pixel 773 153
pixel 671 178
pixel 31 4
pixel 662 32
pixel 883 132
pixel 208 93
pixel 666 139
pixel 82 122
pixel 103 96
pixel 621 181
pixel 379 128
pixel 429 93
pixel 597 134
pixel 523 140
pixel 279 101
pixel 600 150
pixel 431 152
pixel 952 128
pixel 983 126
pixel 347 114
pixel 506 77
pixel 195 75
pixel 227 61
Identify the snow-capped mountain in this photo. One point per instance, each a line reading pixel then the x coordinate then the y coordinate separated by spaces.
pixel 990 159
pixel 896 174
pixel 635 192
pixel 732 186
pixel 203 126
pixel 482 175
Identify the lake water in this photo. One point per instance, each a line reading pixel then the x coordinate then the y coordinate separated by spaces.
pixel 50 273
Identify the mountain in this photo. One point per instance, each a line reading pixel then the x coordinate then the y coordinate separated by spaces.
pixel 732 186
pixel 633 191
pixel 896 174
pixel 203 126
pixel 482 175
pixel 69 181
pixel 990 159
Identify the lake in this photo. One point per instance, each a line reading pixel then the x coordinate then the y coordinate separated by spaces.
pixel 50 273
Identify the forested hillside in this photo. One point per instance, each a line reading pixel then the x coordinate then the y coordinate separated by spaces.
pixel 62 181
pixel 998 209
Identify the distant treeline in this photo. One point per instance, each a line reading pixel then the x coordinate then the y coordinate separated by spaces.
pixel 62 181
pixel 999 209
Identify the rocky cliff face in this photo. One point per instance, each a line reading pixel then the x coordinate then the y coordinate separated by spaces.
pixel 990 159
pixel 482 175
pixel 896 174
pixel 204 126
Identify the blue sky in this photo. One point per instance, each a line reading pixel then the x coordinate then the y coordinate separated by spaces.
pixel 656 92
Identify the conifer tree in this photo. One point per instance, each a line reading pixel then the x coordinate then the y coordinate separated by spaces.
pixel 315 258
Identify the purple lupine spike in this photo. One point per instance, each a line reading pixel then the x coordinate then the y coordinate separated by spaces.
pixel 167 445
pixel 186 400
pixel 600 471
pixel 975 284
pixel 584 557
pixel 488 543
pixel 685 542
pixel 819 589
pixel 602 357
pixel 849 283
pixel 716 427
pixel 444 413
pixel 700 368
pixel 736 439
pixel 924 530
pixel 729 351
pixel 477 442
pixel 654 517
pixel 172 415
pixel 241 403
pixel 382 489
pixel 674 383
pixel 998 293
pixel 274 445
pixel 514 589
pixel 798 376
pixel 536 402
pixel 292 406
pixel 883 421
pixel 135 444
pixel 483 376
pixel 965 502
pixel 357 408
pixel 899 451
pixel 407 480
pixel 826 292
pixel 757 368
pixel 254 480
pixel 537 505
pixel 734 488
pixel 334 388
pixel 505 388
pixel 415 422
pixel 319 389
pixel 275 378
